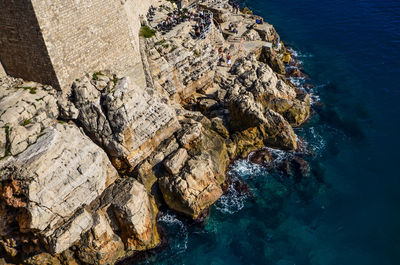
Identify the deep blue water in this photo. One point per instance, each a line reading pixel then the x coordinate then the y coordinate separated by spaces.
pixel 348 210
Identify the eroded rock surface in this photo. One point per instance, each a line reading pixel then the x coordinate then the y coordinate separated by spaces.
pixel 52 181
pixel 126 121
pixel 197 182
pixel 83 171
pixel 26 109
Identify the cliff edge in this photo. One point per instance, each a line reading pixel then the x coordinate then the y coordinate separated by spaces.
pixel 85 167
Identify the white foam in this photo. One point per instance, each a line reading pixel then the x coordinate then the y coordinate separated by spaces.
pixel 318 142
pixel 244 168
pixel 171 220
pixel 297 81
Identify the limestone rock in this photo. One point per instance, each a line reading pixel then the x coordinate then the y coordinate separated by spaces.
pixel 219 126
pixel 270 57
pixel 53 179
pixel 128 122
pixel 175 162
pixel 190 132
pixel 100 245
pixel 198 184
pixel 67 109
pixel 136 215
pixel 194 190
pixel 25 110
pixel 123 223
pixel 251 35
pixel 65 236
pixel 275 131
pixel 270 91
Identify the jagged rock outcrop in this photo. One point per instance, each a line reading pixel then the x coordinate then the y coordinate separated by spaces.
pixel 124 221
pixel 271 128
pixel 125 120
pixel 199 171
pixel 269 56
pixel 46 187
pixel 269 90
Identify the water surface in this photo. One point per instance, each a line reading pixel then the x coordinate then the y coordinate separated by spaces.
pixel 348 210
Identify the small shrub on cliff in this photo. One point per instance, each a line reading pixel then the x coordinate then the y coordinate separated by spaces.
pixel 196 53
pixel 26 122
pixel 96 75
pixel 147 32
pixel 32 90
pixel 173 48
pixel 159 42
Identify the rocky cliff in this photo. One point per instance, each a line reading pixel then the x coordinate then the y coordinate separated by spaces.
pixel 83 172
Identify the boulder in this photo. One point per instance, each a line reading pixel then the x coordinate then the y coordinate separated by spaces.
pixel 71 232
pixel 272 129
pixel 175 162
pixel 198 184
pixel 100 245
pixel 193 190
pixel 270 57
pixel 126 121
pixel 296 112
pixel 51 182
pixel 136 214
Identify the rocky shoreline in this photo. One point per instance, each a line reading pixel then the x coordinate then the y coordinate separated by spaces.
pixel 84 172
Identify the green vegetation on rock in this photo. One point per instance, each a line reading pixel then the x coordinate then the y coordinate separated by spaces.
pixel 147 32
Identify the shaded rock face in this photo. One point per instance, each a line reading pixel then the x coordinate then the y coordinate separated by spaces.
pixel 128 122
pixel 193 175
pixel 262 107
pixel 271 91
pixel 270 128
pixel 124 221
pixel 51 182
pixel 135 213
pixel 270 57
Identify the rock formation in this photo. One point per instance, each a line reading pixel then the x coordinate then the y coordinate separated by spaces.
pixel 84 169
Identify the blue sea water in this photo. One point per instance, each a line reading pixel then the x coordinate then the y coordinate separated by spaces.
pixel 348 210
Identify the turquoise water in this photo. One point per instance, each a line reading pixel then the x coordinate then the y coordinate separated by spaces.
pixel 347 211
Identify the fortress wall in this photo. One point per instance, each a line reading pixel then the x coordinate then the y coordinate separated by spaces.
pixel 2 72
pixel 134 10
pixel 86 35
pixel 22 49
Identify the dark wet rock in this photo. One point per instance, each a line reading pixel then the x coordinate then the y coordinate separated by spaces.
pixel 300 167
pixel 261 157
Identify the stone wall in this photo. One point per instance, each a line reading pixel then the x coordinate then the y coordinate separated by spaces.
pixel 83 36
pixel 54 42
pixel 22 49
pixel 2 72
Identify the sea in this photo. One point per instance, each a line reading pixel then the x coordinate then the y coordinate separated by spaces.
pixel 346 210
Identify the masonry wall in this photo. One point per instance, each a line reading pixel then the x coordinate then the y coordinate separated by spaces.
pixel 22 49
pixel 85 35
pixel 2 72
